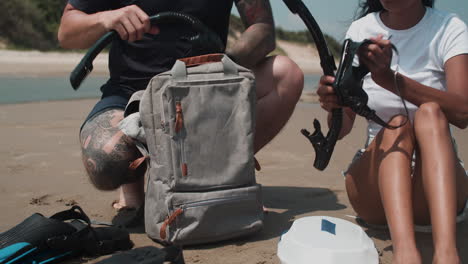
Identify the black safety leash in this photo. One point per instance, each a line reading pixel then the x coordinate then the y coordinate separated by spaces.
pixel 204 41
pixel 323 146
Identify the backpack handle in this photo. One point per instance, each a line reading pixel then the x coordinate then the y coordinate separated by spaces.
pixel 179 70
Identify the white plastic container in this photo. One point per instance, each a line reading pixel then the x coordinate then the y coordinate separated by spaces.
pixel 326 240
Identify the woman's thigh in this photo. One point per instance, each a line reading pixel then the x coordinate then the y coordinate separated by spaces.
pixel 363 189
pixel 436 164
pixel 362 177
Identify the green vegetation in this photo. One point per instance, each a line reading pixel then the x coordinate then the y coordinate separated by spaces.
pixel 29 24
pixel 305 37
pixel 278 51
pixel 235 25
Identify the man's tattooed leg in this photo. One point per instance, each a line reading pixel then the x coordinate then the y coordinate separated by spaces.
pixel 107 152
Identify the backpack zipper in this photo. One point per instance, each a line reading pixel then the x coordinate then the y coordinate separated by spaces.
pixel 194 204
pixel 178 126
pixel 163 113
pixel 180 208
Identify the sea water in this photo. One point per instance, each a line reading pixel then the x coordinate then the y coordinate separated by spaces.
pixel 32 89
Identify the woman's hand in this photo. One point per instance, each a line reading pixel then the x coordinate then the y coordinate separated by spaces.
pixel 327 97
pixel 377 56
pixel 130 22
pixel 329 102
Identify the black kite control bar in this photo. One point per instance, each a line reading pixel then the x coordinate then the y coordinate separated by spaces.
pixel 323 146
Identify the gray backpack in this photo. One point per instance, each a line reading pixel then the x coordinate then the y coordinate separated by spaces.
pixel 198 123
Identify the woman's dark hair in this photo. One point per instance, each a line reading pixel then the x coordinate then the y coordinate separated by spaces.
pixel 370 6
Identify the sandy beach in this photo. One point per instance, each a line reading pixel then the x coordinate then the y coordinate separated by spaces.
pixel 42 171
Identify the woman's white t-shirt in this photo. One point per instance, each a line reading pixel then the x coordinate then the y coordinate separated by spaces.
pixel 422 52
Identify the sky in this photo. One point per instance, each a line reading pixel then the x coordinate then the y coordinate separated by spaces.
pixel 334 16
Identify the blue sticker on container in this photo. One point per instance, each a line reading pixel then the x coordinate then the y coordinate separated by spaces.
pixel 328 226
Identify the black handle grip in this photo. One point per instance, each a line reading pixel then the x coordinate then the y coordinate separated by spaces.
pixel 204 37
pixel 85 66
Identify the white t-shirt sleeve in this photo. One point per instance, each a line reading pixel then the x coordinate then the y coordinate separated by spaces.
pixel 454 39
pixel 353 32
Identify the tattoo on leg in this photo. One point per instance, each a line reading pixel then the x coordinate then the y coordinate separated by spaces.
pixel 107 152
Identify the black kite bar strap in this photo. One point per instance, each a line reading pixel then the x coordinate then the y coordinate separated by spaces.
pixel 205 39
pixel 323 146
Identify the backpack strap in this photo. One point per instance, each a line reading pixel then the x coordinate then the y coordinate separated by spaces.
pixel 230 68
pixel 179 70
pixel 133 104
pixel 131 126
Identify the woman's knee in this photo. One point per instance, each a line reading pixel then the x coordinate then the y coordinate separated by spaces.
pixel 401 122
pixel 402 134
pixel 430 117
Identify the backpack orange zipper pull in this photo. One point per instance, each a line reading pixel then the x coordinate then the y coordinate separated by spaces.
pixel 136 163
pixel 184 169
pixel 168 221
pixel 179 122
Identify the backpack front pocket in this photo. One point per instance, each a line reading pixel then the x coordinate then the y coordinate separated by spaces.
pixel 201 217
pixel 211 130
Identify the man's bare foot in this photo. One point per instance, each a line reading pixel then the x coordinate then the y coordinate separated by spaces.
pixel 131 195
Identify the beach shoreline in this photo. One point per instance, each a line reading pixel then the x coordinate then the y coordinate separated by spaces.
pixel 38 64
pixel 34 63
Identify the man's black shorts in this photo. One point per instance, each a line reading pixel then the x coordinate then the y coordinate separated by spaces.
pixel 106 103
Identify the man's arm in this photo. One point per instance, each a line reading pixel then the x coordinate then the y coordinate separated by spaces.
pixel 258 40
pixel 79 30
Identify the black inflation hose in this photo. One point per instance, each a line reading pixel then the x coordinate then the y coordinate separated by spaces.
pixel 203 39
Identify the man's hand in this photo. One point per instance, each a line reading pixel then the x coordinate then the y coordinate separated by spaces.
pixel 130 22
pixel 377 56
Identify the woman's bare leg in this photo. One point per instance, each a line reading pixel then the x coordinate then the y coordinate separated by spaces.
pixel 436 178
pixel 380 190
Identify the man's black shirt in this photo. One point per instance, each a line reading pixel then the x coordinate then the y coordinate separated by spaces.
pixel 132 65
